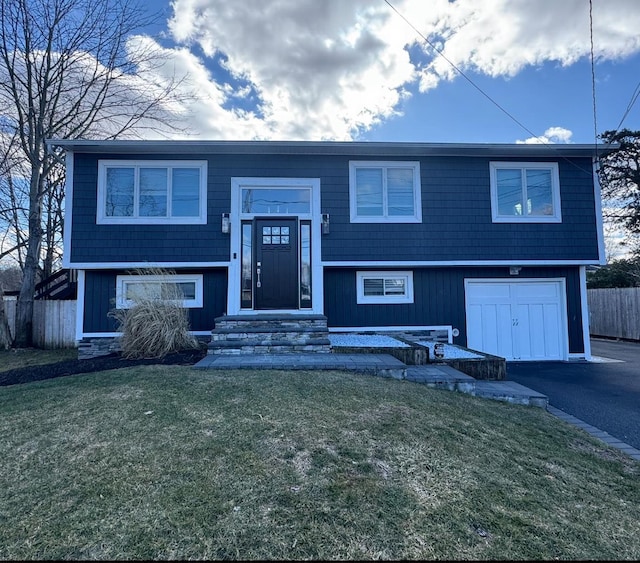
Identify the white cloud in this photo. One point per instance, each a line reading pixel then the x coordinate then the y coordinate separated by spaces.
pixel 502 37
pixel 328 69
pixel 550 136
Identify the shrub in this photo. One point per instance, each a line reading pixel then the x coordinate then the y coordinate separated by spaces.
pixel 157 324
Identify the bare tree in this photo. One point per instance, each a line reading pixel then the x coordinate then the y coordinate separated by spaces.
pixel 71 69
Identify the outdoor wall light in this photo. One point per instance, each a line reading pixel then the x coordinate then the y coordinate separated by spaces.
pixel 514 270
pixel 226 223
pixel 325 223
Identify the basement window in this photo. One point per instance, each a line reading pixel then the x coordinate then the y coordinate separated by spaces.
pixel 384 287
pixel 185 289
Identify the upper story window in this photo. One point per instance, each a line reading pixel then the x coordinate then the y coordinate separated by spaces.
pixel 525 192
pixel 152 192
pixel 385 192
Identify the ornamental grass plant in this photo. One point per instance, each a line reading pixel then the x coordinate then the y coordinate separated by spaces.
pixel 157 323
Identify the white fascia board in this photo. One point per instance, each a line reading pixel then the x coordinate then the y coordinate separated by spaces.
pixel 426 263
pixel 142 265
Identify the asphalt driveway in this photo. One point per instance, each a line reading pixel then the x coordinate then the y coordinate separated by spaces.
pixel 602 393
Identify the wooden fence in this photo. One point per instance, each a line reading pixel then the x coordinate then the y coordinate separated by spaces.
pixel 614 312
pixel 54 322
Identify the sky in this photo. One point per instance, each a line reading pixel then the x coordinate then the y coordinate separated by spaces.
pixel 459 71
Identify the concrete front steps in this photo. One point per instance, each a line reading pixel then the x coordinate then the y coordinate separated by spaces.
pixel 439 376
pixel 445 377
pixel 269 334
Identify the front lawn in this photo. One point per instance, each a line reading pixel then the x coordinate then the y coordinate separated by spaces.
pixel 24 357
pixel 164 462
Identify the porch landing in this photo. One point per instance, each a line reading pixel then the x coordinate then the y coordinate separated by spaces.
pixel 384 365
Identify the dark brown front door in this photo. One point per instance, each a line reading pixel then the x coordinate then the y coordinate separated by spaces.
pixel 276 265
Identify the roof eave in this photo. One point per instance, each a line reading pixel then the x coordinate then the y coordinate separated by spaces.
pixel 330 147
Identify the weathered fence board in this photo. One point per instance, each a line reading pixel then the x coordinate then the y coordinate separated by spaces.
pixel 54 322
pixel 615 312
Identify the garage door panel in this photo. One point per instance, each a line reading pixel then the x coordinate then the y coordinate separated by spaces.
pixel 489 293
pixel 528 325
pixel 536 292
pixel 553 336
pixel 487 334
pixel 504 337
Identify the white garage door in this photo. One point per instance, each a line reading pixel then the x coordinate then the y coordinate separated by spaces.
pixel 518 320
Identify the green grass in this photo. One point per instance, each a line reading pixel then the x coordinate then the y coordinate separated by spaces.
pixel 164 462
pixel 24 357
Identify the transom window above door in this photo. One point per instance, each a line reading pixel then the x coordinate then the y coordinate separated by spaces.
pixel 272 201
pixel 527 192
pixel 385 192
pixel 152 192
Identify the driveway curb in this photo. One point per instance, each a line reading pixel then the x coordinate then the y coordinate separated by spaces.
pixel 596 432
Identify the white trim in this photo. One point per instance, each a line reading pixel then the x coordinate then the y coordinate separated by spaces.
pixel 81 289
pixel 337 264
pixel 406 275
pixel 564 330
pixel 597 196
pixel 426 263
pixel 103 219
pixel 577 356
pixel 269 183
pixel 233 278
pixel 197 279
pixel 253 312
pixel 125 265
pixel 555 188
pixel 384 165
pixel 117 334
pixel 584 309
pixel 379 329
pixel 68 209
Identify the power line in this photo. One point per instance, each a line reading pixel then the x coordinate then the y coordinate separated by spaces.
pixel 494 102
pixel 460 71
pixel 632 101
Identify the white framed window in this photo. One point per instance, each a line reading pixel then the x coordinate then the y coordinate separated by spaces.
pixel 152 192
pixel 385 192
pixel 527 192
pixel 384 287
pixel 185 289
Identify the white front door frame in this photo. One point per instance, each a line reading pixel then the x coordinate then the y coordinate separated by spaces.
pixel 237 216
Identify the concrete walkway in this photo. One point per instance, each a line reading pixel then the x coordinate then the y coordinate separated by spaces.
pixel 383 365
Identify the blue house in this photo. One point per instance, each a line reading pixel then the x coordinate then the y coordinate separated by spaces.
pixel 488 243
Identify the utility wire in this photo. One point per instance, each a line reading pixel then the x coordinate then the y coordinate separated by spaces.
pixel 632 101
pixel 494 102
pixel 460 71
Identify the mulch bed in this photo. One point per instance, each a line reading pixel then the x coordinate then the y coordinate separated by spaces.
pixel 112 361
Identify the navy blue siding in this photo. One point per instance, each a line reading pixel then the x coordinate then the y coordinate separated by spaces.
pixel 100 295
pixel 144 243
pixel 457 223
pixel 438 299
pixel 456 208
